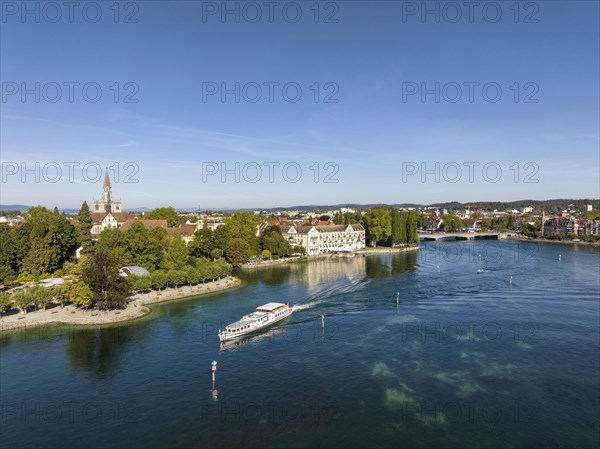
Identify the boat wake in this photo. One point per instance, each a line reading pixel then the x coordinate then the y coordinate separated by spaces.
pixel 327 295
pixel 307 305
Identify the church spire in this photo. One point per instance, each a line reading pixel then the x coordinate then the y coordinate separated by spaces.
pixel 106 179
pixel 107 192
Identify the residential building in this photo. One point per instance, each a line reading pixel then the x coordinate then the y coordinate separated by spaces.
pixel 325 239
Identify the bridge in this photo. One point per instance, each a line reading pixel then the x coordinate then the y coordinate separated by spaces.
pixel 463 236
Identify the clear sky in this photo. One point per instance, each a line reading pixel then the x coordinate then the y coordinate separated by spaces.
pixel 387 89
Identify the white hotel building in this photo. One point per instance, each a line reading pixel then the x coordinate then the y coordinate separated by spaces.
pixel 325 239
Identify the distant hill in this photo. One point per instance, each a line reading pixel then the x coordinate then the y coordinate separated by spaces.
pixel 19 207
pixel 550 206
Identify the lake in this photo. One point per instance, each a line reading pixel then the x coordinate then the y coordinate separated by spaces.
pixel 487 344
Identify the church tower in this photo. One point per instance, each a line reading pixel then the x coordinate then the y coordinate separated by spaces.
pixel 107 204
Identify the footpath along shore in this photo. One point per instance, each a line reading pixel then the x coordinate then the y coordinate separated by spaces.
pixel 136 308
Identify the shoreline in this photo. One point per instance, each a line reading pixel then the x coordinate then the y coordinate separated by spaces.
pixel 563 242
pixel 301 259
pixel 139 306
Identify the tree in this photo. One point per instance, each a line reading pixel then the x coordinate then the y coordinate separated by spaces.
pixel 176 254
pixel 298 249
pixel 378 225
pixel 101 273
pixel 412 227
pixel 164 213
pixel 176 278
pixel 22 300
pixel 216 253
pixel 139 283
pixel 486 224
pixel 266 254
pixel 244 225
pixel 238 251
pixel 45 241
pixel 399 227
pixel 158 279
pixel 192 276
pixel 221 238
pixel 61 294
pixel 202 243
pixel 273 241
pixel 84 228
pixel 8 254
pixel 452 222
pixel 143 251
pixel 6 302
pixel 40 296
pixel 80 294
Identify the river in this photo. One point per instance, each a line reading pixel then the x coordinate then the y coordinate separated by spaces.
pixel 461 344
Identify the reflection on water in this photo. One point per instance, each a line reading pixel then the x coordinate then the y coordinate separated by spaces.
pixel 265 336
pixel 99 352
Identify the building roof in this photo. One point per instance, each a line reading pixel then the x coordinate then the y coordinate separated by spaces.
pixel 138 271
pixel 121 217
pixel 147 224
pixel 322 229
pixel 270 306
pixel 184 230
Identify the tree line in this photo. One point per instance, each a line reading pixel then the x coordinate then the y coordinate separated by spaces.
pixel 391 227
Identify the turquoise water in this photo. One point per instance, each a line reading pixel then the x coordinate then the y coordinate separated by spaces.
pixel 464 358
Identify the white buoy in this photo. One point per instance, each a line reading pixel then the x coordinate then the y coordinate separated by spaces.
pixel 323 321
pixel 510 280
pixel 397 297
pixel 214 371
pixel 559 256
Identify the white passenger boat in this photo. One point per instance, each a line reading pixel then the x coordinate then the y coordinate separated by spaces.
pixel 264 316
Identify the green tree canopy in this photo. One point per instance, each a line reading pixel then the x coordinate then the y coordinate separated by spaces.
pixel 164 213
pixel 202 243
pixel 45 241
pixel 239 251
pixel 101 273
pixel 244 225
pixel 378 225
pixel 175 255
pixel 84 228
pixel 8 254
pixel 143 250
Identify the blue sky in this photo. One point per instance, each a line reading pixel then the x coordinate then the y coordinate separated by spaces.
pixel 372 59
